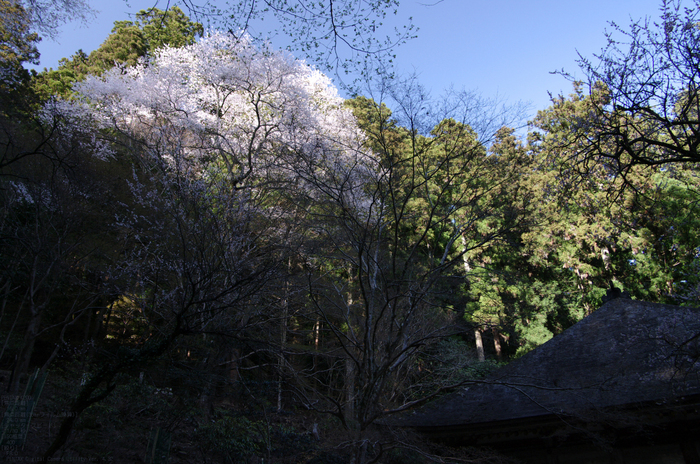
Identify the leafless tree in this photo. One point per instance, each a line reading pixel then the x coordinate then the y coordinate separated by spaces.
pixel 645 82
pixel 385 245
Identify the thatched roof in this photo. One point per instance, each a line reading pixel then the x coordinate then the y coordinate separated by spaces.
pixel 626 353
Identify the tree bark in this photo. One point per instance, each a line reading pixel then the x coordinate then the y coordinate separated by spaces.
pixel 497 343
pixel 317 339
pixel 106 375
pixel 25 354
pixel 82 402
pixel 283 338
pixel 349 390
pixel 479 344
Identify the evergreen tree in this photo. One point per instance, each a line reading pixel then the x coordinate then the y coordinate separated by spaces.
pixel 17 46
pixel 128 44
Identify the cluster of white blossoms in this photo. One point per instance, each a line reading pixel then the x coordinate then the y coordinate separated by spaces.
pixel 254 111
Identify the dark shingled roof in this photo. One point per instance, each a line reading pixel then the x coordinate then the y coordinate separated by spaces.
pixel 626 353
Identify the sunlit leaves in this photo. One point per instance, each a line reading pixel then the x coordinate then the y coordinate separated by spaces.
pixel 129 42
pixel 17 44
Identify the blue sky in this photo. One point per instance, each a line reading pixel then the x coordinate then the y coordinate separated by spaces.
pixel 504 48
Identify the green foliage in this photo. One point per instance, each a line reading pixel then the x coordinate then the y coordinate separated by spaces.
pixel 453 361
pixel 17 42
pixel 18 45
pixel 123 47
pixel 443 366
pixel 437 199
pixel 662 240
pixel 384 136
pixel 170 28
pixel 129 42
pixel 637 236
pixel 237 438
pixel 582 232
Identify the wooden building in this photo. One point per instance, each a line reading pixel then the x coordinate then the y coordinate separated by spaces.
pixel 621 386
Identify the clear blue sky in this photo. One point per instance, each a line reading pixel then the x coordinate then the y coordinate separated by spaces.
pixel 498 47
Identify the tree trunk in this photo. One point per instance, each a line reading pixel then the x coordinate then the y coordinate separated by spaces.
pixel 465 262
pixel 8 337
pixel 84 399
pixel 360 455
pixel 233 373
pixel 349 390
pixel 105 374
pixel 25 354
pixel 497 343
pixel 479 344
pixel 96 331
pixel 317 339
pixel 283 339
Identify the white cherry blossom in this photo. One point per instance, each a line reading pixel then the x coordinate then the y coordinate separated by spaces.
pixel 222 102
